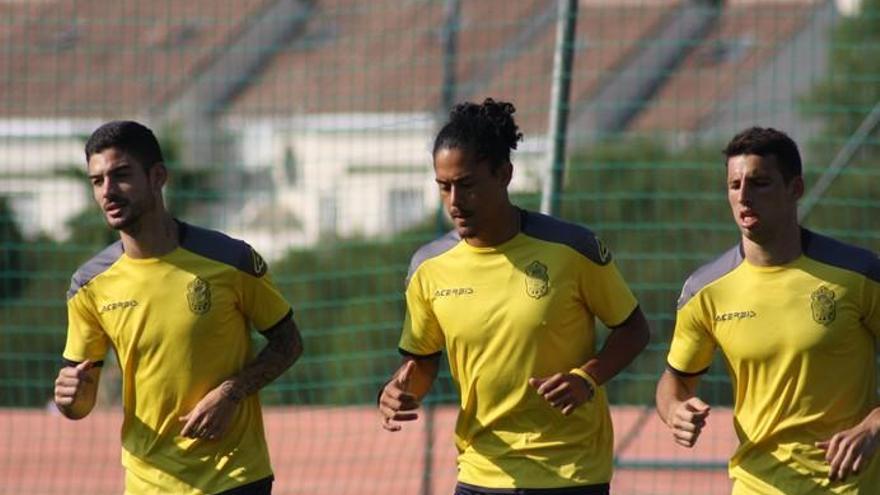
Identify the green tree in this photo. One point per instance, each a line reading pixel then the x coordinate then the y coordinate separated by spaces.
pixel 850 89
pixel 189 188
pixel 663 212
pixel 32 325
pixel 12 276
pixel 347 297
pixel 841 101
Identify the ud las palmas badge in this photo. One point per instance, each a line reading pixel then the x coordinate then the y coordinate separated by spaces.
pixel 198 294
pixel 823 305
pixel 537 280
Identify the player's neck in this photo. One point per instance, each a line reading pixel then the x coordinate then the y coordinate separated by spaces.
pixel 505 229
pixel 156 234
pixel 782 248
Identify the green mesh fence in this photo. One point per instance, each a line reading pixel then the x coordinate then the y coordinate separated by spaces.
pixel 304 127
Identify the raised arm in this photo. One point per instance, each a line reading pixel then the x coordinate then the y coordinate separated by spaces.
pixel 212 415
pixel 76 389
pixel 680 408
pixel 402 395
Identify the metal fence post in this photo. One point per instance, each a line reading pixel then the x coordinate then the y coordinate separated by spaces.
pixel 566 23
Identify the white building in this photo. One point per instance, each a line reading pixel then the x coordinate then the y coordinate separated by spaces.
pixel 362 175
pixel 38 160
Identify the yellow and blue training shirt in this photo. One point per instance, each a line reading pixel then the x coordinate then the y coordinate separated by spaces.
pixel 522 309
pixel 180 325
pixel 800 344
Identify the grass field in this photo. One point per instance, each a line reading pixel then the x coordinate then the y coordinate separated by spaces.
pixel 343 450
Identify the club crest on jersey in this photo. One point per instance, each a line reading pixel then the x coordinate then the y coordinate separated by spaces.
pixel 198 294
pixel 823 305
pixel 537 280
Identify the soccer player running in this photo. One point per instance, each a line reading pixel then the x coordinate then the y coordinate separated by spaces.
pixel 796 316
pixel 176 303
pixel 512 296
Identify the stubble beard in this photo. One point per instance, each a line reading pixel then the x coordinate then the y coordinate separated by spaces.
pixel 466 232
pixel 131 224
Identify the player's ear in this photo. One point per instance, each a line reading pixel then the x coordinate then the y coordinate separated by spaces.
pixel 158 175
pixel 506 172
pixel 797 187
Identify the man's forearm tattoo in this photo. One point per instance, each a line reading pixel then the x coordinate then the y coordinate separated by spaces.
pixel 282 350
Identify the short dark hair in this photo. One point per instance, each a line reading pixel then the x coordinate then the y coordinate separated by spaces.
pixel 129 137
pixel 485 130
pixel 766 141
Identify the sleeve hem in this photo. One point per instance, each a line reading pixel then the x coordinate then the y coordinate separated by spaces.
pixel 71 362
pixel 287 316
pixel 407 353
pixel 622 323
pixel 685 374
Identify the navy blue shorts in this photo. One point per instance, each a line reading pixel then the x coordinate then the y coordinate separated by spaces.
pixel 259 487
pixel 600 489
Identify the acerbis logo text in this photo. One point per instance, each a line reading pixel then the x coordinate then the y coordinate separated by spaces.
pixel 736 315
pixel 458 291
pixel 117 305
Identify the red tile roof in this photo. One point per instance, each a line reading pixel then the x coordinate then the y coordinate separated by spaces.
pixel 386 56
pixel 108 58
pixel 745 39
pixel 104 58
pixel 606 35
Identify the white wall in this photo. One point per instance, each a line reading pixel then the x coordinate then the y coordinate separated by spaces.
pixel 44 206
pixel 352 169
pixel 33 154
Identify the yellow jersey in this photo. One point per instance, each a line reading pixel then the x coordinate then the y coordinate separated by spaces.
pixel 522 309
pixel 799 341
pixel 180 325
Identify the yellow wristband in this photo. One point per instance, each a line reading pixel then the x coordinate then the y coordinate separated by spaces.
pixel 587 378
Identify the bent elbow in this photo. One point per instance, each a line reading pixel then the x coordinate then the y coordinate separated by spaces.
pixel 644 337
pixel 294 351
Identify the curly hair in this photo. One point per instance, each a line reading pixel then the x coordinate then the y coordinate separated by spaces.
pixel 486 130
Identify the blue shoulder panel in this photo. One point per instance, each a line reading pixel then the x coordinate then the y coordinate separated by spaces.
pixel 710 272
pixel 551 229
pixel 431 250
pixel 94 267
pixel 841 255
pixel 220 247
